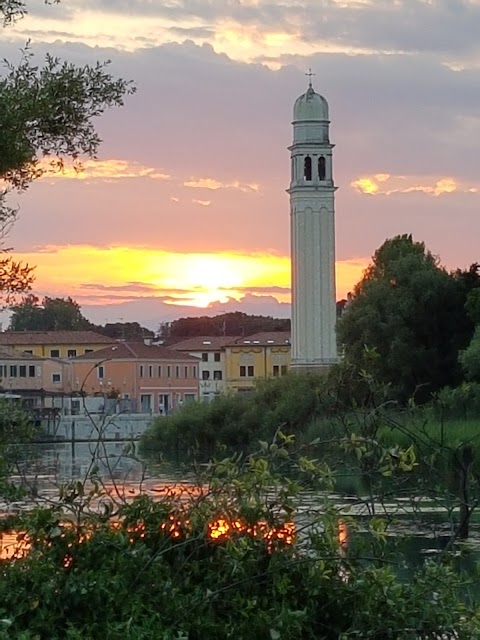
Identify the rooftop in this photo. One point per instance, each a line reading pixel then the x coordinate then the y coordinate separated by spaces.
pixel 134 351
pixel 204 343
pixel 263 339
pixel 13 338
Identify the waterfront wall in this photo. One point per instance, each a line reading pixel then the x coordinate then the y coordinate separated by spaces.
pixel 93 427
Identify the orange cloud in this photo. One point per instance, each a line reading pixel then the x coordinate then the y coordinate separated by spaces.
pixel 211 183
pixel 104 170
pixel 386 185
pixel 198 279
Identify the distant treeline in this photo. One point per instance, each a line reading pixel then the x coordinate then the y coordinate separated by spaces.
pixel 226 324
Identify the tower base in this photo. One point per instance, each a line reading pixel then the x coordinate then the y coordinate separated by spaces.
pixel 321 367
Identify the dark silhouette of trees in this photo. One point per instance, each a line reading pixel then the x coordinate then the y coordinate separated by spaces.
pixel 407 322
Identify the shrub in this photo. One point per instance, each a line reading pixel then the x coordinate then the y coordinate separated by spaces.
pixel 219 561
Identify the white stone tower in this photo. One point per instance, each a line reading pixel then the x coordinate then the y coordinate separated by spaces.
pixel 312 220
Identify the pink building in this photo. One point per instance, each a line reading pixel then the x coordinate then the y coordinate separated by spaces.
pixel 154 378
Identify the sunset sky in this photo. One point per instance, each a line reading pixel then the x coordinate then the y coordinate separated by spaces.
pixel 185 210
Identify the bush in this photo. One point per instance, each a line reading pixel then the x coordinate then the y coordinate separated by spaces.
pixel 458 402
pixel 239 421
pixel 222 560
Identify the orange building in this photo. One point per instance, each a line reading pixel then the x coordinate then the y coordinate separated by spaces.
pixel 154 378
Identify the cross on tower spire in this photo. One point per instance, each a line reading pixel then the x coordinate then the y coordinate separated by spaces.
pixel 310 74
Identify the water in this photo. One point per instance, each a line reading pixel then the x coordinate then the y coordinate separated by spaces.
pixel 418 526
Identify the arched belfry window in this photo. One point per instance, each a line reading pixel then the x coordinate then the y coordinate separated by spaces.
pixel 321 168
pixel 307 169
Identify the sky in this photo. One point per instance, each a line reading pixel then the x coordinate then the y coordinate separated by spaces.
pixel 185 211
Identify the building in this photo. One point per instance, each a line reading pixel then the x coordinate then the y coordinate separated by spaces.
pixel 154 379
pixel 38 381
pixel 55 344
pixel 210 351
pixel 262 355
pixel 312 212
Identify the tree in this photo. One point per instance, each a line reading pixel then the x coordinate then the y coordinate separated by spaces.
pixel 226 324
pixel 401 324
pixel 45 112
pixel 125 331
pixel 470 358
pixel 52 314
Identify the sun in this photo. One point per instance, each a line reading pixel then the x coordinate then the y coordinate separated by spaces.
pixel 211 272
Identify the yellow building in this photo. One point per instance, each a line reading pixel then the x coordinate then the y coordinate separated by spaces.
pixel 262 355
pixel 55 344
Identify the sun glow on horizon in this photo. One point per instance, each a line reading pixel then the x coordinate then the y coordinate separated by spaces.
pixel 174 278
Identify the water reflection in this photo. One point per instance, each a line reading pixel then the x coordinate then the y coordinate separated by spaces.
pixel 418 526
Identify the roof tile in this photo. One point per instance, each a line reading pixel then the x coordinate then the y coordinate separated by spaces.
pixel 135 351
pixel 13 338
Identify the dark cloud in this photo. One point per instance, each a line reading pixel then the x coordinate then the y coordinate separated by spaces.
pixel 134 287
pixel 262 290
pixel 443 26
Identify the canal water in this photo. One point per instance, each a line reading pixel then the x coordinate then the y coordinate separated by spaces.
pixel 418 526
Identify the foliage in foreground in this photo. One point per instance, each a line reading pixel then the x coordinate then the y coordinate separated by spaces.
pixel 211 562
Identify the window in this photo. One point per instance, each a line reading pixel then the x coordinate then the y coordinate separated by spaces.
pixel 23 371
pixel 145 403
pixel 100 372
pixel 71 353
pixel 217 375
pixel 186 372
pixel 141 371
pixel 284 369
pixel 204 357
pixel 169 371
pixel 205 375
pixel 321 168
pixel 189 397
pixel 250 372
pixel 177 372
pixel 54 353
pixel 3 370
pixel 150 371
pixel 307 169
pixel 88 350
pixel 243 371
pixel 159 370
pixel 194 372
pixel 216 357
pixel 56 377
pixel 29 351
pixel 31 371
pixel 13 370
pixel 276 370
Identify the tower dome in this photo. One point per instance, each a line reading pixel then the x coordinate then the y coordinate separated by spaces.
pixel 310 106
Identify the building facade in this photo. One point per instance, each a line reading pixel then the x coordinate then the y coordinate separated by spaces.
pixel 55 344
pixel 34 379
pixel 210 352
pixel 262 355
pixel 152 378
pixel 312 219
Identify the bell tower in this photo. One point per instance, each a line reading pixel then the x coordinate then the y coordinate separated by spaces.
pixel 312 229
